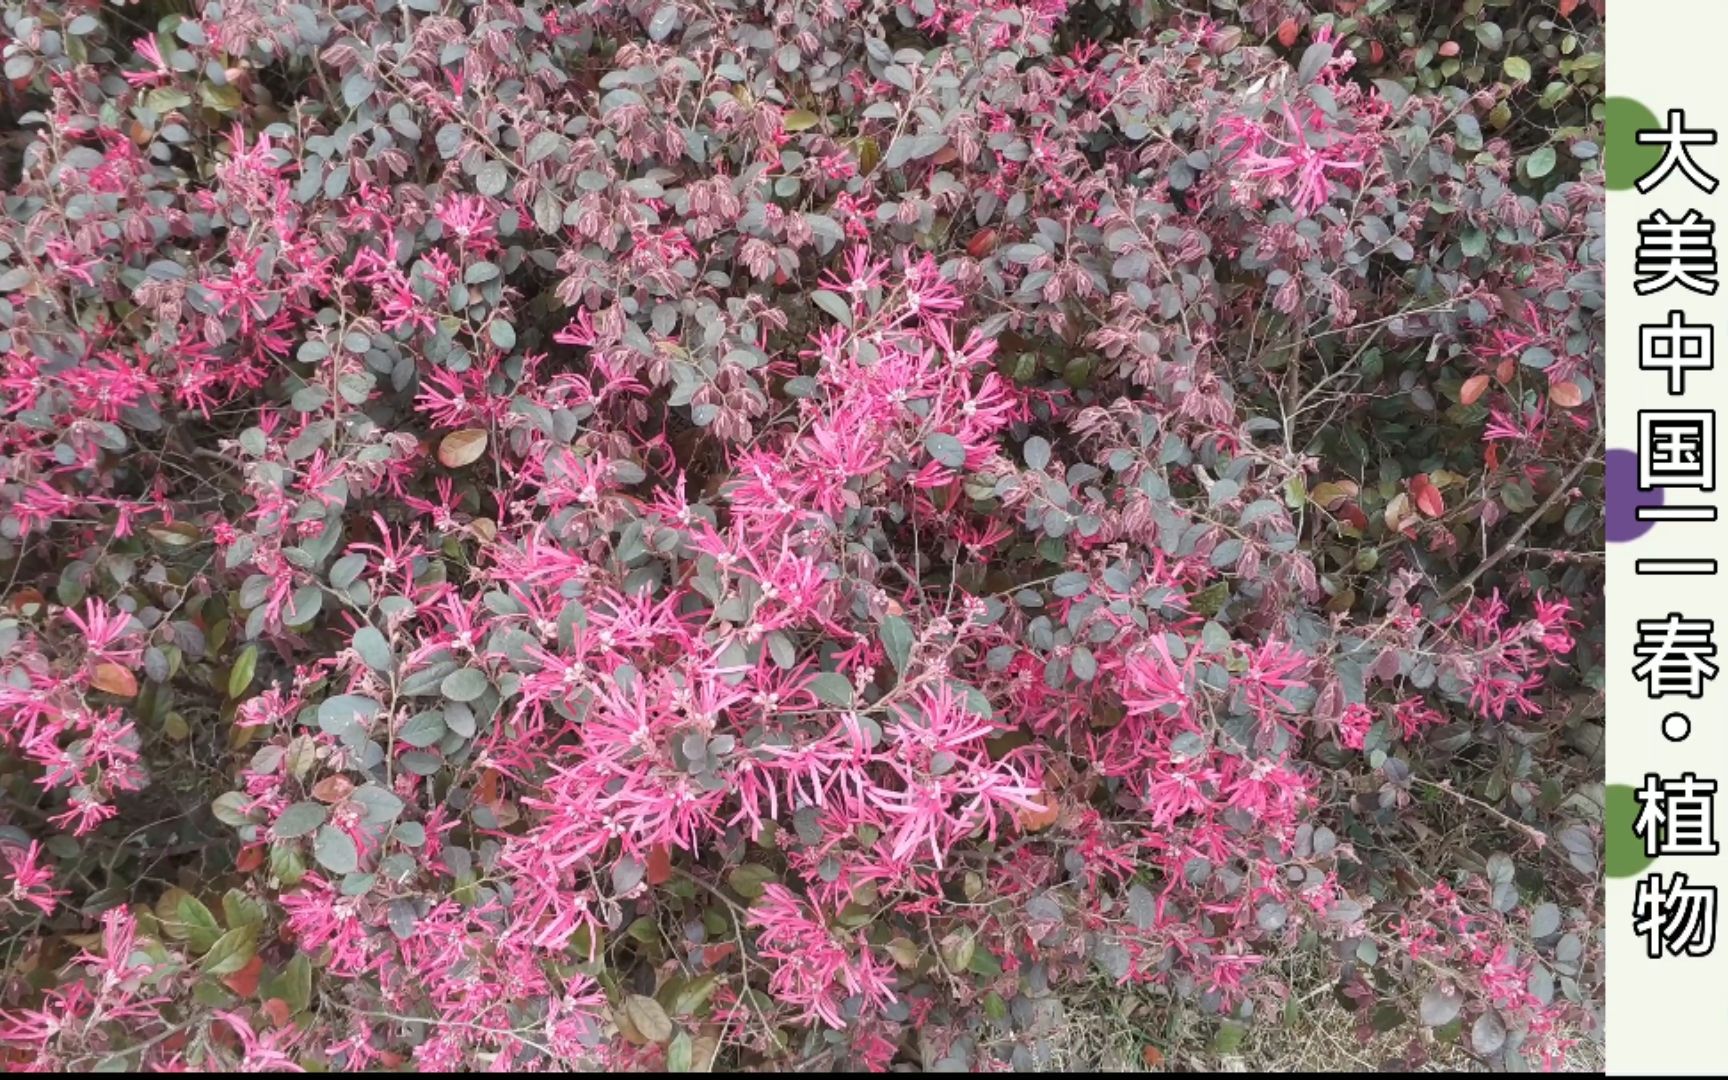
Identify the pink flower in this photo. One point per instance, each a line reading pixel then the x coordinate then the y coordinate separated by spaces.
pixel 1300 171
pixel 31 883
pixel 814 967
pixel 159 70
pixel 1354 724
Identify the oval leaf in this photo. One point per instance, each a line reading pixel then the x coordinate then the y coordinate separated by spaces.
pixel 335 851
pixel 299 819
pixel 649 1020
pixel 113 679
pixel 464 684
pixel 461 448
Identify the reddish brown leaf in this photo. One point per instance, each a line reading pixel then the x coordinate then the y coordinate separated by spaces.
pixel 27 601
pixel 1566 395
pixel 1152 1056
pixel 1038 820
pixel 332 789
pixel 1427 496
pixel 278 1012
pixel 714 955
pixel 489 791
pixel 245 981
pixel 1287 31
pixel 982 243
pixel 461 448
pixel 249 859
pixel 114 679
pixel 1448 48
pixel 1567 7
pixel 659 864
pixel 1473 389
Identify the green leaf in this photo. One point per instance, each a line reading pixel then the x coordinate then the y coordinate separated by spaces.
pixel 946 449
pixel 369 643
pixel 1540 163
pixel 1488 1034
pixel 295 985
pixel 1545 920
pixel 780 647
pixel 1083 663
pixel 1314 59
pixel 196 924
pixel 1469 132
pixel 286 864
pixel 423 729
pixel 464 684
pixel 694 994
pixel 241 910
pixel 166 99
pixel 345 713
pixel 748 879
pixel 985 964
pixel 1229 1037
pixel 382 805
pixel 1517 68
pixel 1387 1018
pixel 303 606
pixel 223 99
pixel 1070 584
pixel 958 949
pixel 335 851
pixel 896 634
pixel 648 1018
pixel 1536 357
pixel 836 307
pixel 230 809
pixel 1037 451
pixel 491 179
pixel 832 688
pixel 356 88
pixel 426 681
pixel 679 1055
pixel 346 570
pixel 232 950
pixel 299 819
pixel 1227 553
pixel 240 677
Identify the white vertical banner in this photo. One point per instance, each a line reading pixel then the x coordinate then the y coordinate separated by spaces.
pixel 1667 204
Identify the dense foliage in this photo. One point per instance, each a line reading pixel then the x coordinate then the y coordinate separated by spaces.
pixel 682 533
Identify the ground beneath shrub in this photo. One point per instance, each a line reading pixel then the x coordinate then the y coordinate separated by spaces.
pixel 1110 1031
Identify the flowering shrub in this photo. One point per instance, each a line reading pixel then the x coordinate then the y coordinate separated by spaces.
pixel 638 535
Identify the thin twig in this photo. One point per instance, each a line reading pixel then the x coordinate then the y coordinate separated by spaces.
pixel 1529 522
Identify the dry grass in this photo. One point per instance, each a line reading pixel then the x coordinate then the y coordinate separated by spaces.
pixel 1107 1029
